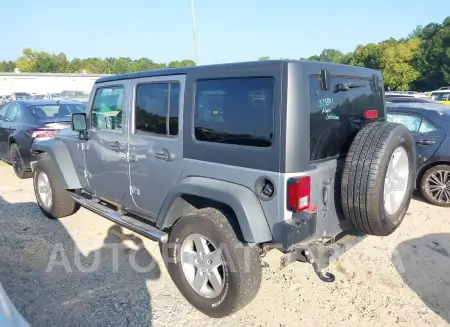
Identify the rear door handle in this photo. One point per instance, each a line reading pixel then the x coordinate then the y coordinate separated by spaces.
pixel 164 155
pixel 426 142
pixel 117 146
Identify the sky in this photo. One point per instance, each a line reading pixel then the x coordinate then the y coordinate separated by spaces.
pixel 227 30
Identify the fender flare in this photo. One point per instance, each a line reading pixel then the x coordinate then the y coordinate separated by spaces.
pixel 58 154
pixel 249 213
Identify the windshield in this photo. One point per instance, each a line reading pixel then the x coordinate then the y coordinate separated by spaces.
pixel 56 111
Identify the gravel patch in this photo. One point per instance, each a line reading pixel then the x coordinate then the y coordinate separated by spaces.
pixel 401 280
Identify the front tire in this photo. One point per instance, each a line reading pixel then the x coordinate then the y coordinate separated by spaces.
pixel 213 270
pixel 435 185
pixel 53 199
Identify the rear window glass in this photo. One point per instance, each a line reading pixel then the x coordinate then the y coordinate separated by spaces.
pixel 237 111
pixel 56 111
pixel 336 114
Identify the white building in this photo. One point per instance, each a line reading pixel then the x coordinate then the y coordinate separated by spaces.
pixel 42 83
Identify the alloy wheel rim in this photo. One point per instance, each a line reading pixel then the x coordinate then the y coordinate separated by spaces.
pixel 203 265
pixel 396 181
pixel 44 190
pixel 437 186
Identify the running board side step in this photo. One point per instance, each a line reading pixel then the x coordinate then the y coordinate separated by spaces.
pixel 135 225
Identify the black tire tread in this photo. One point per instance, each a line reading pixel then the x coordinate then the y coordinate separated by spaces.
pixel 62 203
pixel 249 271
pixel 251 280
pixel 26 173
pixel 358 178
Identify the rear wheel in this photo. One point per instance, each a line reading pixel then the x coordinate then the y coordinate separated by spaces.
pixel 53 199
pixel 378 178
pixel 17 162
pixel 213 270
pixel 435 185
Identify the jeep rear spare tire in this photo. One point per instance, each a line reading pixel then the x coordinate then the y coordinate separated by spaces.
pixel 378 178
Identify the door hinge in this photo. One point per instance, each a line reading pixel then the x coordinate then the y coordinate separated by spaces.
pixel 134 191
pixel 87 174
pixel 84 146
pixel 132 157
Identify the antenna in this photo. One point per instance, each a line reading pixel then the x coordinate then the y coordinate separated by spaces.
pixel 194 27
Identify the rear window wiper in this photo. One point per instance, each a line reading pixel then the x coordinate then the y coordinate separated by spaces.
pixel 346 87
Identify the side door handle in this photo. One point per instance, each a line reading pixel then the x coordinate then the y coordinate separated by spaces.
pixel 117 146
pixel 164 155
pixel 425 142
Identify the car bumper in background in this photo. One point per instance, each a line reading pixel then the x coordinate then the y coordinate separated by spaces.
pixel 9 316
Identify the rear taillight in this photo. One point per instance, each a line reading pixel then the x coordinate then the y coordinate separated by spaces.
pixel 371 114
pixel 298 193
pixel 41 133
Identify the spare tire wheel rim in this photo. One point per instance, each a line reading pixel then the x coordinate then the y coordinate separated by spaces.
pixel 44 190
pixel 437 186
pixel 203 265
pixel 396 181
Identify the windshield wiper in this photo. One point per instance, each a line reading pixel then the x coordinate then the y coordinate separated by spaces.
pixel 346 87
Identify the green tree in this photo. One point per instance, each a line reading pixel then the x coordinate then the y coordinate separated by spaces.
pixel 433 59
pixel 396 64
pixel 331 55
pixel 7 66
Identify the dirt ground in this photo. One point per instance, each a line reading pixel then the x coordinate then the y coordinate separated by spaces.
pixel 401 280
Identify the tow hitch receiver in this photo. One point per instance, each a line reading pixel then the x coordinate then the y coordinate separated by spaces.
pixel 320 254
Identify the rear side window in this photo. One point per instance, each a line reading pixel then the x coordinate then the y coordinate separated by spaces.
pixel 412 122
pixel 336 114
pixel 415 123
pixel 3 112
pixel 157 108
pixel 237 111
pixel 11 112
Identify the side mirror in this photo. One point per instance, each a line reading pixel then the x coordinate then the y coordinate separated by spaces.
pixel 79 122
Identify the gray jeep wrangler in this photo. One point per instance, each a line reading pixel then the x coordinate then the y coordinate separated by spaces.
pixel 222 163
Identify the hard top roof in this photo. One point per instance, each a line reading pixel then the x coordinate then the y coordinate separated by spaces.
pixel 263 64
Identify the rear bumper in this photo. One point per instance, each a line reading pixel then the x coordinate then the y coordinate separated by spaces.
pixel 296 231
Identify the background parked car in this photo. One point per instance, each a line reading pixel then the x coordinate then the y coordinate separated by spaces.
pixel 80 96
pixel 443 96
pixel 430 125
pixel 407 99
pixel 54 96
pixel 21 96
pixel 28 121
